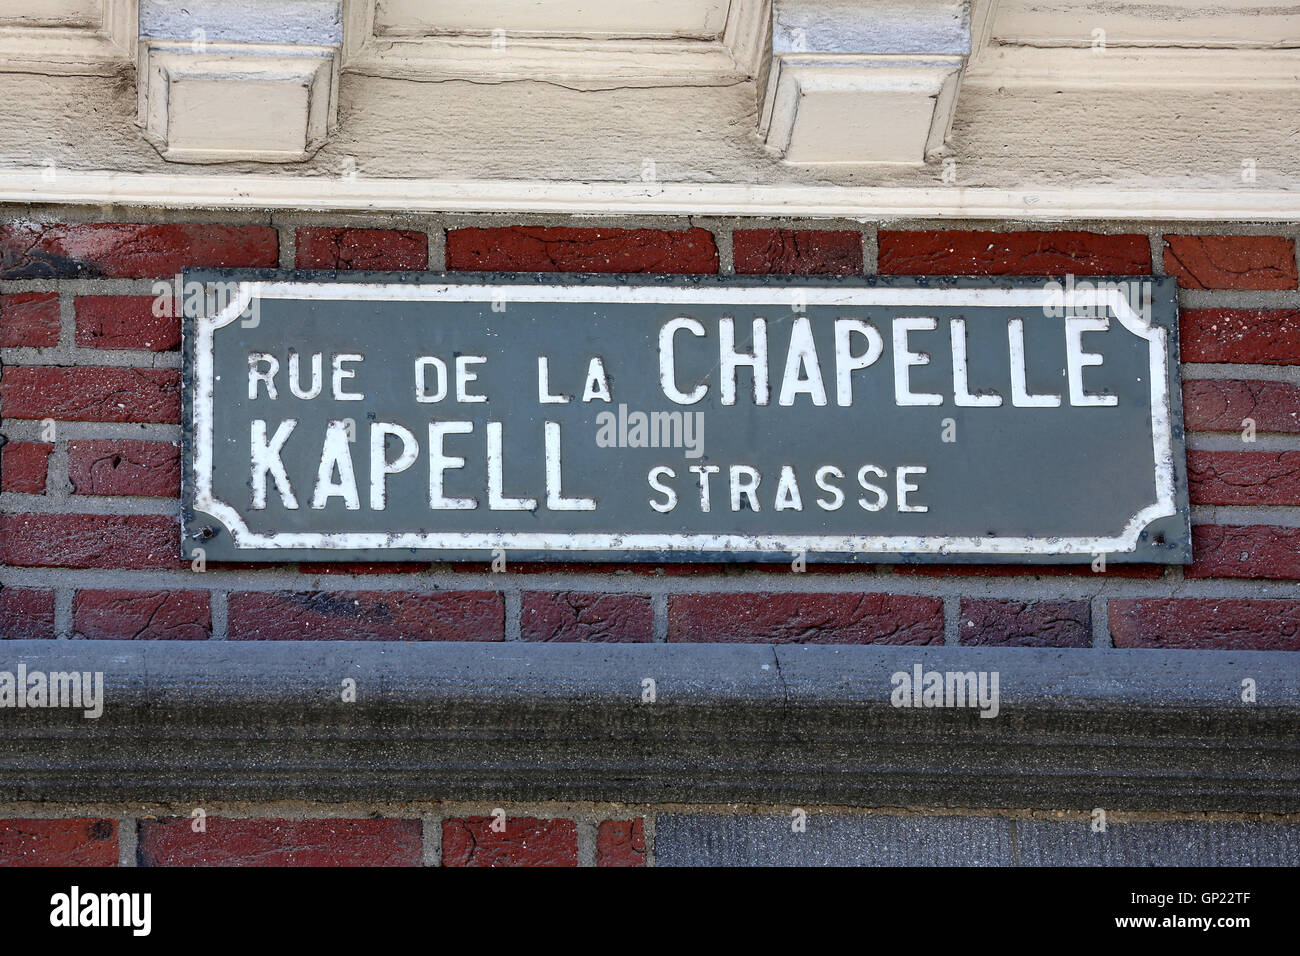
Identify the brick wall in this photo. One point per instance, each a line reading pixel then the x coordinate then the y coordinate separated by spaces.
pixel 183 836
pixel 90 406
pixel 89 473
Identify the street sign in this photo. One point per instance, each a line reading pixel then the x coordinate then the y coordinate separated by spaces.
pixel 458 417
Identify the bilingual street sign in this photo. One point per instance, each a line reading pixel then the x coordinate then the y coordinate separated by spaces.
pixel 465 417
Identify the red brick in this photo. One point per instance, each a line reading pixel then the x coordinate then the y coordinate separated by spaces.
pixel 1260 336
pixel 377 249
pixel 566 249
pixel 1247 551
pixel 1026 623
pixel 1243 477
pixel 366 616
pixel 148 468
pixel 91 394
pixel 26 614
pixel 525 841
pixel 805 618
pixel 1206 623
pixel 29 320
pixel 79 841
pixel 797 251
pixel 171 841
pixel 577 616
pixel 90 541
pixel 958 252
pixel 1221 405
pixel 1231 262
pixel 1113 569
pixel 142 615
pixel 620 843
pixel 36 250
pixel 24 465
pixel 125 322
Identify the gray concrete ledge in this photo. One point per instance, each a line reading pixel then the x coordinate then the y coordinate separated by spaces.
pixel 804 725
pixel 841 839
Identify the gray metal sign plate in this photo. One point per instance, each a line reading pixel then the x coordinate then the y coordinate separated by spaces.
pixel 441 417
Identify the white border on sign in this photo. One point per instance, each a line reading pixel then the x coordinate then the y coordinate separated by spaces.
pixel 244 538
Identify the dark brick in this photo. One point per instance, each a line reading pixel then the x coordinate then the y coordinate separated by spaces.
pixel 959 252
pixel 128 467
pixel 142 615
pixel 24 466
pixel 1231 262
pixel 366 616
pixel 805 618
pixel 26 614
pixel 567 249
pixel 1259 336
pixel 37 250
pixel 578 616
pixel 78 841
pixel 1243 477
pixel 126 322
pixel 92 394
pixel 1248 551
pixel 171 841
pixel 29 320
pixel 620 843
pixel 1220 624
pixel 1026 623
pixel 376 249
pixel 797 251
pixel 526 841
pixel 1223 406
pixel 89 541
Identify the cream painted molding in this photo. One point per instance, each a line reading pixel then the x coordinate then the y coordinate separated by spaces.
pixel 53 42
pixel 1040 134
pixel 675 199
pixel 1188 24
pixel 1134 69
pixel 601 55
pixel 230 80
pixel 855 84
pixel 240 101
